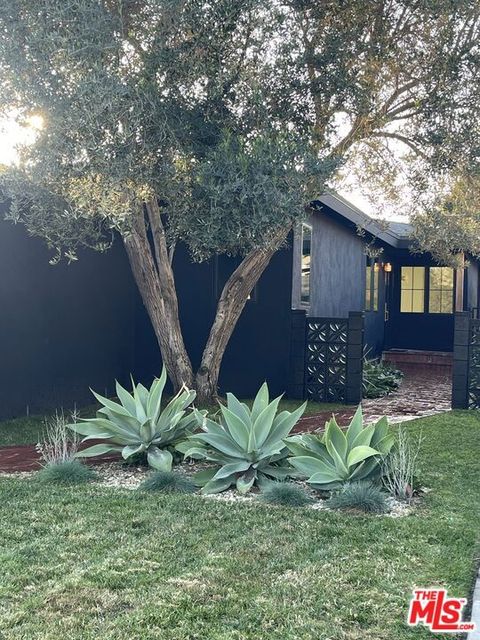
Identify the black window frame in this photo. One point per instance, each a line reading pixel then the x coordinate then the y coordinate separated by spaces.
pixel 372 285
pixel 426 291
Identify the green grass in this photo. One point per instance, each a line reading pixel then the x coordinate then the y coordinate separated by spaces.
pixel 28 430
pixel 91 562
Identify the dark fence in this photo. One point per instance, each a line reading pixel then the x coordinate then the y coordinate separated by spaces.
pixel 466 362
pixel 326 358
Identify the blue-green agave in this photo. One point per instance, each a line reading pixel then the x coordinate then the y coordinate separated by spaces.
pixel 246 445
pixel 138 425
pixel 335 458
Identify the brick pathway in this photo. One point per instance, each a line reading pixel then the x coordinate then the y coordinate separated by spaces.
pixel 419 395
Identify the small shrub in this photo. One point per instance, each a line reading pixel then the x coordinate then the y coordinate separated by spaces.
pixel 59 443
pixel 400 467
pixel 167 482
pixel 363 496
pixel 379 378
pixel 285 494
pixel 68 472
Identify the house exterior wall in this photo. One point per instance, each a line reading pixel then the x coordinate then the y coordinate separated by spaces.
pixel 66 328
pixel 63 328
pixel 337 280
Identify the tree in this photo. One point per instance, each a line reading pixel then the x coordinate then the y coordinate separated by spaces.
pixel 214 123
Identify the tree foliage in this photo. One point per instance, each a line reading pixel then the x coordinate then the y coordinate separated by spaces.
pixel 215 122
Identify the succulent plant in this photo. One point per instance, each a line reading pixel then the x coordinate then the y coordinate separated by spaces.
pixel 138 424
pixel 335 458
pixel 246 444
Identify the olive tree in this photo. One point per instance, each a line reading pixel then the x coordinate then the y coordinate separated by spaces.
pixel 214 123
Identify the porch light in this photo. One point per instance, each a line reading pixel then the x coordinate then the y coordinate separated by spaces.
pixel 387 267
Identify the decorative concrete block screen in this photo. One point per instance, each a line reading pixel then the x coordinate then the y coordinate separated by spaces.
pixel 466 362
pixel 326 363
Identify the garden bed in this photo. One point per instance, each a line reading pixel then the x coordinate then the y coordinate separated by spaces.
pixel 90 561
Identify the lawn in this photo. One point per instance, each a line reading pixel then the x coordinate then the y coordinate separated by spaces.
pixel 92 562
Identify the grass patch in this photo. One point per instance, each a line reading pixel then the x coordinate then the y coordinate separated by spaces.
pixel 167 482
pixel 93 562
pixel 67 472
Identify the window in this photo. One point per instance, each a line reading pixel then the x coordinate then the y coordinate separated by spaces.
pixel 305 263
pixel 427 289
pixel 413 290
pixel 440 299
pixel 371 286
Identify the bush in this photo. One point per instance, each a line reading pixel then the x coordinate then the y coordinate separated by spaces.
pixel 285 494
pixel 68 473
pixel 167 482
pixel 331 460
pixel 379 378
pixel 246 445
pixel 363 496
pixel 59 443
pixel 138 424
pixel 400 467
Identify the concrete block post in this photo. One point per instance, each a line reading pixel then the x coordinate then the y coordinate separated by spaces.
pixel 461 343
pixel 356 322
pixel 296 384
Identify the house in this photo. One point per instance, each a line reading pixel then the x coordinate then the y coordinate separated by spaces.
pixel 345 261
pixel 66 328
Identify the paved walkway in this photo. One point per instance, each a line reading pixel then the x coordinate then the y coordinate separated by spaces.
pixel 419 395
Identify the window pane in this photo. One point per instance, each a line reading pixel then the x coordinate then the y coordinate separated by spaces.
pixel 368 287
pixel 441 290
pixel 435 277
pixel 407 277
pixel 419 278
pixel 418 298
pixel 376 271
pixel 435 303
pixel 413 290
pixel 406 302
pixel 305 263
pixel 447 302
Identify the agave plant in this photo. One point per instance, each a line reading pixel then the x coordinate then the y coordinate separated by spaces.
pixel 138 425
pixel 246 445
pixel 335 458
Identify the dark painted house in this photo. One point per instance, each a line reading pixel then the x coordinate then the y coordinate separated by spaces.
pixel 66 328
pixel 352 263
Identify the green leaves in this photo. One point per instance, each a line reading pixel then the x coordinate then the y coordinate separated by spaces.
pixel 137 424
pixel 336 458
pixel 246 445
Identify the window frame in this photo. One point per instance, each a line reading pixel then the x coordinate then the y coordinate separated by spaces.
pixel 426 291
pixel 372 285
pixel 305 304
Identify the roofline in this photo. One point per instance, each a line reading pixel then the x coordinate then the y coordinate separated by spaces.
pixel 360 219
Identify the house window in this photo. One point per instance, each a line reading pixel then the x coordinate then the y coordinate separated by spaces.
pixel 305 264
pixel 371 286
pixel 413 290
pixel 441 284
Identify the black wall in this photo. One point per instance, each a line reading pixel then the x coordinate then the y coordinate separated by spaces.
pixel 62 328
pixel 66 328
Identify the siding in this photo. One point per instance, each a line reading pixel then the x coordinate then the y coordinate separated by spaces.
pixel 338 269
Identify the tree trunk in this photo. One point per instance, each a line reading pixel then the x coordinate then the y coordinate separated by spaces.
pixel 154 277
pixel 230 306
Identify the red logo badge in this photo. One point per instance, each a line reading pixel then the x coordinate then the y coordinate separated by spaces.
pixel 441 614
